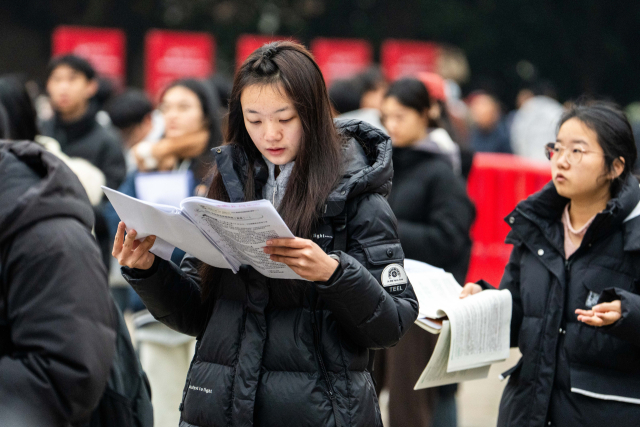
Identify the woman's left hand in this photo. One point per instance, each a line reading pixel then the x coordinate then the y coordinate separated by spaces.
pixel 303 256
pixel 603 314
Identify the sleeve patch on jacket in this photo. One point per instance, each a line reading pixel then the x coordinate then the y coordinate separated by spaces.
pixel 394 279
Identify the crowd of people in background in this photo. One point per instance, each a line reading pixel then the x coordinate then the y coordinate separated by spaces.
pixel 118 138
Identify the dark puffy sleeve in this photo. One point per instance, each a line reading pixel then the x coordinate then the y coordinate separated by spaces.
pixel 171 293
pixel 62 326
pixel 511 281
pixel 369 315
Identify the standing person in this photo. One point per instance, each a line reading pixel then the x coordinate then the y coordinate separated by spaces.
pixel 191 128
pixel 57 321
pixel 573 274
pixel 71 84
pixel 489 132
pixel 280 352
pixel 434 218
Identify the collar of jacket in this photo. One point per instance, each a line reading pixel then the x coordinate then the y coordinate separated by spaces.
pixel 367 166
pixel 542 211
pixel 79 128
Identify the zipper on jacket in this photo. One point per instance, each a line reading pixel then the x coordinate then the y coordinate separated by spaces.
pixel 316 339
pixel 332 393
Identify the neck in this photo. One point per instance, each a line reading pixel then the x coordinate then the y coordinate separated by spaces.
pixel 75 115
pixel 582 210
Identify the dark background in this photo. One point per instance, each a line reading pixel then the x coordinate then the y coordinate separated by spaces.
pixel 581 46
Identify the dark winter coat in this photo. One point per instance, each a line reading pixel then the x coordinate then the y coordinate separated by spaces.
pixel 570 373
pixel 58 338
pixel 89 140
pixel 267 354
pixel 433 210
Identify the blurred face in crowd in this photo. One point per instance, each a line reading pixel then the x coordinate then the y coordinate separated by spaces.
pixel 405 125
pixel 70 91
pixel 272 122
pixel 485 112
pixel 374 98
pixel 578 165
pixel 182 112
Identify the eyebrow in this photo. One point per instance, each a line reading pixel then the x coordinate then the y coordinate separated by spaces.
pixel 277 111
pixel 575 141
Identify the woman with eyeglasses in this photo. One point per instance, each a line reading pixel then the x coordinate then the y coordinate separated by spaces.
pixel 574 274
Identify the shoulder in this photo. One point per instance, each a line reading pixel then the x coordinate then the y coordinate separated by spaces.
pixel 370 219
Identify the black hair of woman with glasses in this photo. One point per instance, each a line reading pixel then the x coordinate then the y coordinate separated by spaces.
pixel 574 274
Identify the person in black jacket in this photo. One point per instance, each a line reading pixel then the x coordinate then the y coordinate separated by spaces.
pixel 574 274
pixel 434 218
pixel 57 321
pixel 288 352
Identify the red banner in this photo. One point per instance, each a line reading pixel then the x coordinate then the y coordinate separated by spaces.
pixel 247 43
pixel 104 48
pixel 341 58
pixel 407 57
pixel 171 55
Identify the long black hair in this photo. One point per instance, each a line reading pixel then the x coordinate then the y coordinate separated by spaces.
pixel 288 67
pixel 614 132
pixel 210 104
pixel 20 112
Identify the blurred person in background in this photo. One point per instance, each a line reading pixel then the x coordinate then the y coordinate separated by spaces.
pixel 534 123
pixel 72 84
pixel 360 97
pixel 57 321
pixel 133 114
pixel 489 132
pixel 23 125
pixel 190 112
pixel 434 217
pixel 190 109
pixel 573 274
pixel 633 114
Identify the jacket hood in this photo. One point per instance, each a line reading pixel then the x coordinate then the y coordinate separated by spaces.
pixel 545 208
pixel 36 185
pixel 367 164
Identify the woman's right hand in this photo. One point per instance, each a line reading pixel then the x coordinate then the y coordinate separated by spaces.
pixel 131 253
pixel 470 289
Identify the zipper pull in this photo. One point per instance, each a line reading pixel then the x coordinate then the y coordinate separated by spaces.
pixel 275 189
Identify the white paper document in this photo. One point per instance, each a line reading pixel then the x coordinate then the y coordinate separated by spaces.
pixel 225 235
pixel 474 332
pixel 435 374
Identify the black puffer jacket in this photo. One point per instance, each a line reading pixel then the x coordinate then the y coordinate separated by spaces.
pixel 266 354
pixel 57 322
pixel 572 374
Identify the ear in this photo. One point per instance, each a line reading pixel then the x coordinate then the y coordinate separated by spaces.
pixel 92 88
pixel 617 167
pixel 435 112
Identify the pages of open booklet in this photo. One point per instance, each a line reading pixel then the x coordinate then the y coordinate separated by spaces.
pixel 224 235
pixel 436 374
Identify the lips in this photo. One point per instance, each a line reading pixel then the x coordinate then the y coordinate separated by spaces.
pixel 275 151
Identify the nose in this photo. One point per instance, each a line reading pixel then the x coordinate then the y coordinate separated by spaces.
pixel 272 131
pixel 563 159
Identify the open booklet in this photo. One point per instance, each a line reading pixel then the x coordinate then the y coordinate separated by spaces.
pixel 474 332
pixel 224 235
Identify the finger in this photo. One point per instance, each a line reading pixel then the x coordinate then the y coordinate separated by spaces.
pixel 129 239
pixel 607 306
pixel 291 262
pixel 117 241
pixel 465 292
pixel 283 251
pixel 609 317
pixel 288 243
pixel 590 320
pixel 584 312
pixel 143 249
